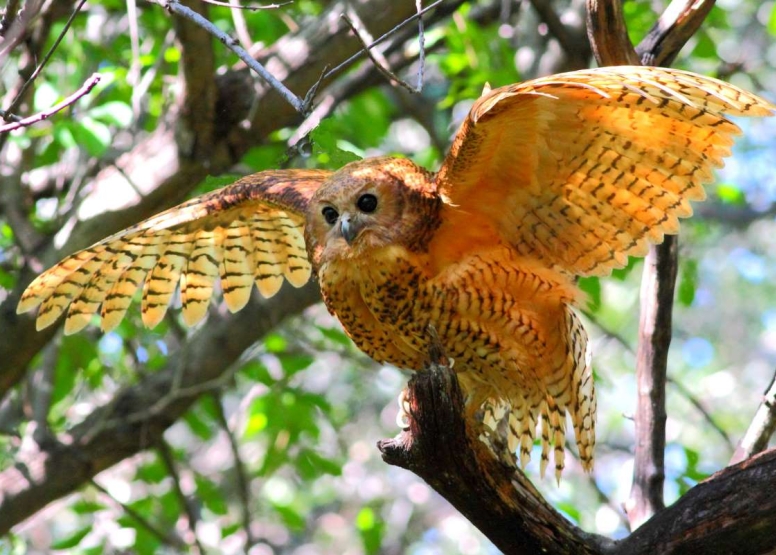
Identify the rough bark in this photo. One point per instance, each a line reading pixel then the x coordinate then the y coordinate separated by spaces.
pixel 733 511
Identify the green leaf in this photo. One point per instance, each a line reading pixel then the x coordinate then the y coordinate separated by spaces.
pixel 115 112
pixel 82 507
pixel 370 529
pixel 311 465
pixel 293 363
pixel 772 21
pixel 290 517
pixel 275 343
pixel 152 472
pixel 210 495
pixel 591 286
pixel 731 194
pixel 336 335
pixel 93 134
pixel 688 282
pixel 72 540
pixel 326 147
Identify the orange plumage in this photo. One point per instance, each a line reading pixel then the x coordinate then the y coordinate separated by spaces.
pixel 546 180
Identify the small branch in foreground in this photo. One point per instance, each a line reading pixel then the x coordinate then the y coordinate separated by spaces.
pixel 761 429
pixel 15 104
pixel 379 61
pixel 252 8
pixel 85 89
pixel 382 38
pixel 183 11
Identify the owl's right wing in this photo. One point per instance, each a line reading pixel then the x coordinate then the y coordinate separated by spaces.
pixel 580 170
pixel 250 231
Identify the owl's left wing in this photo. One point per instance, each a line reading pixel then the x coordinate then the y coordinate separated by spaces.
pixel 250 231
pixel 580 170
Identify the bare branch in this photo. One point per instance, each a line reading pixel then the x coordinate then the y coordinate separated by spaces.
pixel 382 38
pixel 379 61
pixel 20 94
pixel 657 297
pixel 252 8
pixel 179 9
pixel 85 89
pixel 761 429
pixel 243 487
pixel 191 516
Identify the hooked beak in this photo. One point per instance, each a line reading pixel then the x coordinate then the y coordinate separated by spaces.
pixel 349 229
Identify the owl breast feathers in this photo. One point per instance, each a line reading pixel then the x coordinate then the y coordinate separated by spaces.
pixel 559 177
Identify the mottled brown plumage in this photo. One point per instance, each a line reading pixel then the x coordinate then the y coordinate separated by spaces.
pixel 545 181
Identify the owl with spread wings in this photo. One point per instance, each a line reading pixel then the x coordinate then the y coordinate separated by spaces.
pixel 545 181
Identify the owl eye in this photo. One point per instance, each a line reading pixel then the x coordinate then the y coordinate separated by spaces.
pixel 367 203
pixel 330 215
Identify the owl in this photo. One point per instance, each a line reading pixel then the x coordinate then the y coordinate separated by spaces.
pixel 545 181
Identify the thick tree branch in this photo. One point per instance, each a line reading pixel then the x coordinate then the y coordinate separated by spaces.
pixel 611 45
pixel 734 507
pixel 441 447
pixel 657 298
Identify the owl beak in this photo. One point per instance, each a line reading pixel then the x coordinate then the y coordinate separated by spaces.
pixel 349 228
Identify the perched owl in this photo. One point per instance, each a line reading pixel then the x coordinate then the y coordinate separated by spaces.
pixel 547 180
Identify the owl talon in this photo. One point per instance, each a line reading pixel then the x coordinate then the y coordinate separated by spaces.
pixel 403 416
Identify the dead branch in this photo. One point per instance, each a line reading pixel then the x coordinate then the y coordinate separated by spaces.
pixel 85 89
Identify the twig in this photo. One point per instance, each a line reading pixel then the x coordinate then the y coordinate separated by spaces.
pixel 382 38
pixel 183 11
pixel 249 8
pixel 694 401
pixel 20 94
pixel 84 90
pixel 379 61
pixel 191 517
pixel 241 26
pixel 243 488
pixel 761 429
pixel 170 540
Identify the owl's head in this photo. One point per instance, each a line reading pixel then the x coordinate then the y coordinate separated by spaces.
pixel 368 205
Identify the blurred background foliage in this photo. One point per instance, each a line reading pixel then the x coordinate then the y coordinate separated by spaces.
pixel 282 459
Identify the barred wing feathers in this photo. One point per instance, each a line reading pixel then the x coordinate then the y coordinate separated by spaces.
pixel 249 232
pixel 583 169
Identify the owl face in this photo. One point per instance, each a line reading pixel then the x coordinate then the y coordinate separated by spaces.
pixel 365 206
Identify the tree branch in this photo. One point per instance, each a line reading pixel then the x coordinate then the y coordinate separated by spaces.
pixel 441 447
pixel 85 89
pixel 135 419
pixel 761 429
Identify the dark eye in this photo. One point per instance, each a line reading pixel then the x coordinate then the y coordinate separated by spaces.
pixel 367 203
pixel 330 215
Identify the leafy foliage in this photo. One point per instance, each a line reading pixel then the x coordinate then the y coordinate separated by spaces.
pixel 298 419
